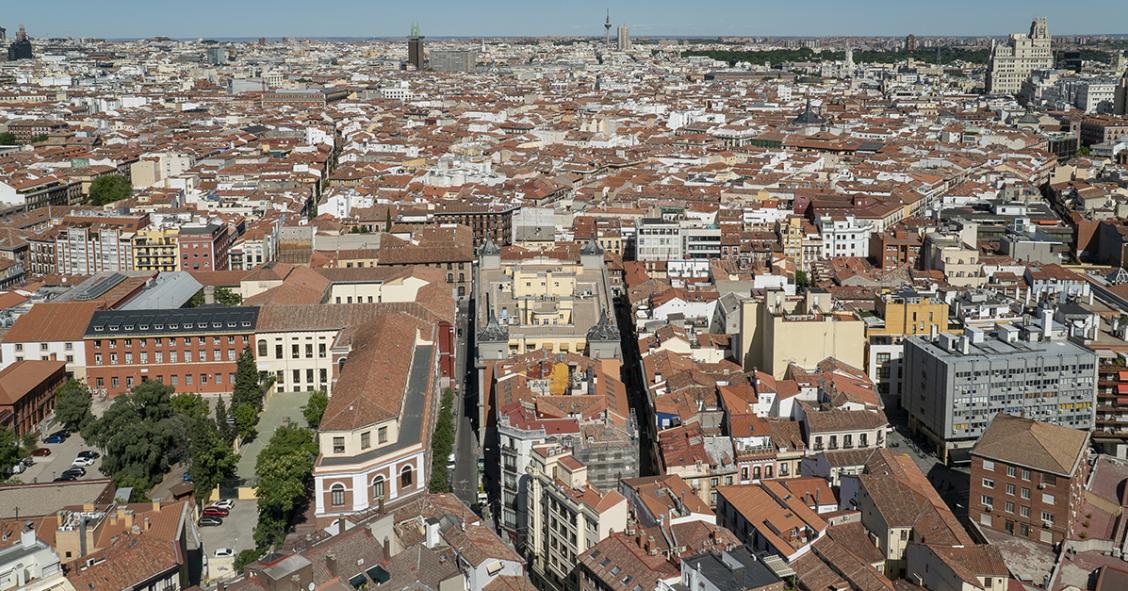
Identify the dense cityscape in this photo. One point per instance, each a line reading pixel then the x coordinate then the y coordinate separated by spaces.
pixel 600 312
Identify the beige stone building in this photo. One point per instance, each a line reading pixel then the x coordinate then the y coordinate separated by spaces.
pixel 1012 62
pixel 778 330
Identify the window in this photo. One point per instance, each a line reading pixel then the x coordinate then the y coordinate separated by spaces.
pixel 338 445
pixel 1010 471
pixel 337 495
pixel 1024 511
pixel 988 483
pixel 262 348
pixel 1025 474
pixel 987 501
pixel 1047 499
pixel 1010 489
pixel 988 465
pixel 378 487
pixel 1049 480
pixel 366 440
pixel 406 478
pixel 309 350
pixel 42 346
pixel 297 376
pixel 188 379
pixel 294 350
pixel 1025 493
pixel 382 435
pixel 321 350
pixel 278 351
pixel 1010 507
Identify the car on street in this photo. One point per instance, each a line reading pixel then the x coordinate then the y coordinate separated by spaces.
pixel 224 552
pixel 210 521
pixel 224 504
pixel 56 437
pixel 83 462
pixel 215 512
pixel 41 452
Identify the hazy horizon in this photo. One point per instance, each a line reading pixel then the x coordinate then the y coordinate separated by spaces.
pixel 357 19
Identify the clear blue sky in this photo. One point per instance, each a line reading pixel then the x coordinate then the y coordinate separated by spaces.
pixel 383 18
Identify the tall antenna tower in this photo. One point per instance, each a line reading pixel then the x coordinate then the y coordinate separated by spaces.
pixel 607 29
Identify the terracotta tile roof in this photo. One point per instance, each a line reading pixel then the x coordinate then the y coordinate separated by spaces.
pixel 52 322
pixel 1042 446
pixel 20 378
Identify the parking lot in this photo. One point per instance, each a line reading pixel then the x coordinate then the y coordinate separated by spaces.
pixel 46 469
pixel 237 533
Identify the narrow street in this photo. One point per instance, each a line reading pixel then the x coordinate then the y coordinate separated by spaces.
pixel 464 478
pixel 636 390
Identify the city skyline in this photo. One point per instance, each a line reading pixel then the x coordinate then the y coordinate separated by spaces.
pixel 353 18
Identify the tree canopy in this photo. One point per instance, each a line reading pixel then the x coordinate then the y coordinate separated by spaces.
pixel 9 451
pixel 315 408
pixel 109 188
pixel 141 434
pixel 283 468
pixel 72 405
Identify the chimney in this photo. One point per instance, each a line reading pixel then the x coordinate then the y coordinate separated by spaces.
pixel 340 525
pixel 387 548
pixel 933 330
pixel 331 563
pixel 157 506
pixel 147 523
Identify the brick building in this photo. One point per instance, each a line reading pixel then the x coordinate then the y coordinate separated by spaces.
pixel 27 393
pixel 191 349
pixel 1028 478
pixel 204 247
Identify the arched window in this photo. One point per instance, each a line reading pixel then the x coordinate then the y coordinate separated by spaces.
pixel 755 472
pixel 378 487
pixel 450 277
pixel 462 277
pixel 262 348
pixel 337 495
pixel 406 477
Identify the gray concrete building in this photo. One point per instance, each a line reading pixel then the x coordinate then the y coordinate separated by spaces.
pixel 954 384
pixel 454 60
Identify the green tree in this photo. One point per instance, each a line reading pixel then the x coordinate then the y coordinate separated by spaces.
pixel 246 419
pixel 246 557
pixel 315 408
pixel 211 459
pixel 248 387
pixel 30 443
pixel 225 297
pixel 191 406
pixel 442 443
pixel 284 468
pixel 141 436
pixel 221 424
pixel 109 188
pixel 72 405
pixel 802 281
pixel 9 451
pixel 8 139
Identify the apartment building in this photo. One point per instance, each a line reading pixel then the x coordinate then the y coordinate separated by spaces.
pixel 900 314
pixel 567 515
pixel 27 393
pixel 768 517
pixel 191 349
pixel 954 385
pixel 204 246
pixel 778 330
pixel 1028 478
pixel 156 248
pixel 1012 62
pixel 661 239
pixel 844 236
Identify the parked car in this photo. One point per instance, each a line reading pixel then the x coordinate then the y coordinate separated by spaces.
pixel 215 512
pixel 210 521
pixel 186 477
pixel 18 468
pixel 89 453
pixel 224 504
pixel 66 478
pixel 41 452
pixel 56 437
pixel 27 462
pixel 76 470
pixel 224 552
pixel 81 461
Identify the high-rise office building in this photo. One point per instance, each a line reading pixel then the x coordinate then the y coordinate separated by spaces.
pixel 910 43
pixel 624 38
pixel 454 60
pixel 217 56
pixel 1012 62
pixel 20 49
pixel 415 48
